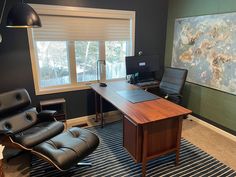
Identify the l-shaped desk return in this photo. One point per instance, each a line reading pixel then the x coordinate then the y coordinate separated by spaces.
pixel 150 129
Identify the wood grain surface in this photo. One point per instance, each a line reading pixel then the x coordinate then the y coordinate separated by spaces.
pixel 143 112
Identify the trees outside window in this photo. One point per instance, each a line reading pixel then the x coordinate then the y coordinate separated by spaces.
pixel 116 51
pixel 53 63
pixel 86 56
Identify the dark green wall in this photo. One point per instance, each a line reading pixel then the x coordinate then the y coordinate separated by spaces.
pixel 218 107
pixel 15 63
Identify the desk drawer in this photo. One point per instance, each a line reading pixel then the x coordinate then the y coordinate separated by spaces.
pixel 132 138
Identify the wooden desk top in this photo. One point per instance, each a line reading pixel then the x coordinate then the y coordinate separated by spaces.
pixel 143 112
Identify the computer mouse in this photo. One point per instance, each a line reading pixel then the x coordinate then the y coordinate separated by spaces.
pixel 102 84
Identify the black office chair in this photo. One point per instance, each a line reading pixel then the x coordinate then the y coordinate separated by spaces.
pixel 22 127
pixel 172 84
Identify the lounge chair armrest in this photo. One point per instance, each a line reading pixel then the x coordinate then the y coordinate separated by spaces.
pixel 46 115
pixel 6 132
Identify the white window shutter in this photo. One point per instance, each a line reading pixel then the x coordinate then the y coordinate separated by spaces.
pixel 66 28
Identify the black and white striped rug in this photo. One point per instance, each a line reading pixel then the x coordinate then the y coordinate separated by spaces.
pixel 110 159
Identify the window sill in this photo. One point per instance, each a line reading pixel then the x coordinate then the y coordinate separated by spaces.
pixel 69 88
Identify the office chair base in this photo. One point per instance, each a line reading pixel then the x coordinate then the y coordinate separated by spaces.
pixel 84 164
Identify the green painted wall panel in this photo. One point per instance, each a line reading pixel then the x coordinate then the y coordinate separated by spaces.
pixel 214 105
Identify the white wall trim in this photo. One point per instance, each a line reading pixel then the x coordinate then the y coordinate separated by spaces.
pixel 218 130
pixel 85 119
pixel 42 9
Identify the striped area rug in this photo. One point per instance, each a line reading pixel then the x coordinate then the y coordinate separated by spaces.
pixel 110 159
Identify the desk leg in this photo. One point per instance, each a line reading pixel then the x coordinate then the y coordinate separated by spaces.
pixel 180 120
pixel 96 107
pixel 144 151
pixel 101 112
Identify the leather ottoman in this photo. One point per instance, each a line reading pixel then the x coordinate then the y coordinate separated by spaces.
pixel 68 148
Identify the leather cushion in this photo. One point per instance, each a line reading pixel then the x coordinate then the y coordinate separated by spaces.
pixel 68 148
pixel 20 121
pixel 38 133
pixel 14 100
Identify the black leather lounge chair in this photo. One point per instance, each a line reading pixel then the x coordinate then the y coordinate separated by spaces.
pixel 172 84
pixel 21 126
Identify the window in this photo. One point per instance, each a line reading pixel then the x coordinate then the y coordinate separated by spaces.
pixel 116 51
pixel 86 55
pixel 53 63
pixel 66 50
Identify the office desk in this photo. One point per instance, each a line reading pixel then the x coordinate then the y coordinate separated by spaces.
pixel 150 129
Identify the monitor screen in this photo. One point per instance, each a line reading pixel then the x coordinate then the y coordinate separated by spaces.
pixel 141 64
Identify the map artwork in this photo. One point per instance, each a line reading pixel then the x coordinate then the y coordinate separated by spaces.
pixel 206 46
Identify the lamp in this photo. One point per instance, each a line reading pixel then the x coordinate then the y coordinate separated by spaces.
pixel 21 15
pixel 101 71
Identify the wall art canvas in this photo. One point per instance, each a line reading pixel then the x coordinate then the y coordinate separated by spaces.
pixel 206 46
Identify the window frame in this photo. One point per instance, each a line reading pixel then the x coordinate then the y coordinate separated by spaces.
pixel 75 12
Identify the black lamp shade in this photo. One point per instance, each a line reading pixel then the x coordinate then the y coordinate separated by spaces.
pixel 22 15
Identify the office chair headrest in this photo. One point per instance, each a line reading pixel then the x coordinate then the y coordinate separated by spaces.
pixel 14 101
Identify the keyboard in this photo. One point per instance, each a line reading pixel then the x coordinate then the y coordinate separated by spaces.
pixel 148 83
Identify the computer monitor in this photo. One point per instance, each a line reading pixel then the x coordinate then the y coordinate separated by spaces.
pixel 142 64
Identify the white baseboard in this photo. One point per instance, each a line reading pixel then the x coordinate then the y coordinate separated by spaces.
pixel 85 119
pixel 212 127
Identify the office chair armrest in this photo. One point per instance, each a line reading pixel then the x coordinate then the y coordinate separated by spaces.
pixel 46 115
pixel 173 95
